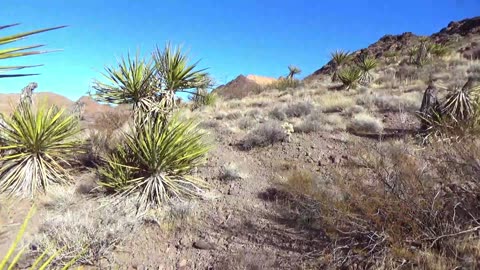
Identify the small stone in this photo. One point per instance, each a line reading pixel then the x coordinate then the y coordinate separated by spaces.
pixel 201 244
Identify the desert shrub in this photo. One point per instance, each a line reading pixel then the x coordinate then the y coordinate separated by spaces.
pixel 111 120
pixel 155 162
pixel 278 113
pixel 284 84
pixel 234 115
pixel 246 123
pixel 266 134
pixel 38 145
pixel 318 121
pixel 409 103
pixel 299 109
pixel 365 123
pixel 42 261
pixel 335 102
pixel 353 110
pixel 230 172
pixel 203 98
pixel 403 213
pixel 92 230
pixel 254 113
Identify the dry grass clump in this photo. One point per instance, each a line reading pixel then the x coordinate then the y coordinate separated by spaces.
pixel 365 123
pixel 246 123
pixel 299 109
pixel 278 113
pixel 231 172
pixel 89 227
pixel 111 120
pixel 407 102
pixel 318 121
pixel 334 102
pixel 255 113
pixel 234 115
pixel 264 135
pixel 391 210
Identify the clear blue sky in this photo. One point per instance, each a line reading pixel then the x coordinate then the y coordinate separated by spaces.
pixel 230 37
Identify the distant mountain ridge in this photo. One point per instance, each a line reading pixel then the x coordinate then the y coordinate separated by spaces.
pixel 242 86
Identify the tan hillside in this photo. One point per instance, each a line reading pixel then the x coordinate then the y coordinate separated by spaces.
pixel 9 101
pixel 243 86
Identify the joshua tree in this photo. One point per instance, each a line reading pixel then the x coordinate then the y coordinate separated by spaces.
pixel 339 58
pixel 292 71
pixel 19 51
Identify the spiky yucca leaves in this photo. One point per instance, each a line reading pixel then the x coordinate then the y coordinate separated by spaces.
pixel 366 64
pixel 175 74
pixel 292 71
pixel 19 51
pixel 350 77
pixel 339 58
pixel 128 83
pixel 37 145
pixel 156 160
pixel 458 105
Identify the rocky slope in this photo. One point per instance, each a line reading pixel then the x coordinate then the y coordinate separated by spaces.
pixel 462 36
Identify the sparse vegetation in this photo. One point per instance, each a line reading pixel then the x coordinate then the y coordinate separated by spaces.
pixel 264 135
pixel 299 109
pixel 365 123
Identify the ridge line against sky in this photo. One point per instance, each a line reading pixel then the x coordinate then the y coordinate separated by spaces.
pixel 229 37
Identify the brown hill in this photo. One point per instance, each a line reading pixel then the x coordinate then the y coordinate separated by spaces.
pixel 9 101
pixel 462 36
pixel 242 86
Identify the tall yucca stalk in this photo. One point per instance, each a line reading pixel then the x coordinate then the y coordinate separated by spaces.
pixel 175 74
pixel 37 145
pixel 366 64
pixel 155 162
pixel 339 58
pixel 19 51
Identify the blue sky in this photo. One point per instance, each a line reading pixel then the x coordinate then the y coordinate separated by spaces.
pixel 230 37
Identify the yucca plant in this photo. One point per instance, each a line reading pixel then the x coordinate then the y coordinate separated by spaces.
pixel 339 58
pixel 156 160
pixel 41 262
pixel 19 51
pixel 128 83
pixel 292 71
pixel 203 98
pixel 438 50
pixel 458 105
pixel 174 73
pixel 37 145
pixel 366 64
pixel 350 77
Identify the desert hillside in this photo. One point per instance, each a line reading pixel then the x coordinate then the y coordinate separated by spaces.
pixel 371 163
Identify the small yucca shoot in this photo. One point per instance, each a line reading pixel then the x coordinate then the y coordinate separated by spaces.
pixel 350 77
pixel 37 146
pixel 19 51
pixel 155 162
pixel 339 58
